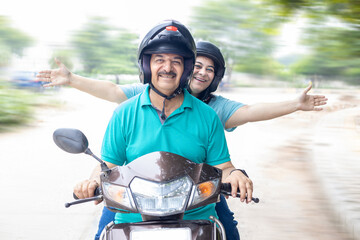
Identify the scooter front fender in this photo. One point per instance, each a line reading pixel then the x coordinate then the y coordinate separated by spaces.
pixel 189 229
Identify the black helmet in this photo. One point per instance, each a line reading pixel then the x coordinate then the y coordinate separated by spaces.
pixel 169 36
pixel 207 49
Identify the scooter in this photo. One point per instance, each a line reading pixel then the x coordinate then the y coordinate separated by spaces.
pixel 160 186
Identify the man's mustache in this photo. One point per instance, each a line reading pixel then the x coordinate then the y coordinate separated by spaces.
pixel 167 73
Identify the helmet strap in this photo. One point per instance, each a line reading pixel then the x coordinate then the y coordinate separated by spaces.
pixel 174 94
pixel 205 95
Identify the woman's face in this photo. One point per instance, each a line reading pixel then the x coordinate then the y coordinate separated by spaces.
pixel 204 72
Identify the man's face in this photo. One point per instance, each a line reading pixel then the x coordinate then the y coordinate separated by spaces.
pixel 166 71
pixel 204 72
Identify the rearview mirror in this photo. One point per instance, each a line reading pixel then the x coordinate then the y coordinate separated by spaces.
pixel 70 140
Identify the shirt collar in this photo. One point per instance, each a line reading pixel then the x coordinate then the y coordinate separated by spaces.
pixel 188 100
pixel 145 97
pixel 187 103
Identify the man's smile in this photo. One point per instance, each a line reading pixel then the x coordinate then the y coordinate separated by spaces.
pixel 167 75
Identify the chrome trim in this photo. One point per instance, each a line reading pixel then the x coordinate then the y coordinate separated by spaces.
pixel 192 194
pixel 219 225
pixel 103 235
pixel 131 198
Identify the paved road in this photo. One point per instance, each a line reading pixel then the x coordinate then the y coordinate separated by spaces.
pixel 39 176
pixel 337 169
pixel 292 160
pixel 282 156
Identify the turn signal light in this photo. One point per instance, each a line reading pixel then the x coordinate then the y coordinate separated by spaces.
pixel 206 188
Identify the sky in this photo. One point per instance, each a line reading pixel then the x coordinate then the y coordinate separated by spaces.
pixel 52 22
pixel 289 39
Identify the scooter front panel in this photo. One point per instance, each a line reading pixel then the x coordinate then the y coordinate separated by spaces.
pixel 184 230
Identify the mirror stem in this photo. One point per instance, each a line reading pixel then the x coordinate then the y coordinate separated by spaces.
pixel 104 167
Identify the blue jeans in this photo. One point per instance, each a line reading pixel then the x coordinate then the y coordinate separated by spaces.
pixel 225 216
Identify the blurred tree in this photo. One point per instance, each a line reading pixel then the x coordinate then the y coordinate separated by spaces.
pixel 12 41
pixel 332 34
pixel 104 49
pixel 346 10
pixel 338 48
pixel 336 53
pixel 16 106
pixel 64 56
pixel 123 58
pixel 244 31
pixel 5 55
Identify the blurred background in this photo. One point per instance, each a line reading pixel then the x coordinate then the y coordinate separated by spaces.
pixel 304 165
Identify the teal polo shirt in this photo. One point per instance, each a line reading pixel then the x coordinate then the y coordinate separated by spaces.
pixel 193 131
pixel 223 107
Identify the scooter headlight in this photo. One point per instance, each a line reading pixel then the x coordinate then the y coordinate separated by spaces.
pixel 203 191
pixel 118 194
pixel 161 199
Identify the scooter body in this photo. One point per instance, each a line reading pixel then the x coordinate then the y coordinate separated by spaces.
pixel 180 185
pixel 161 186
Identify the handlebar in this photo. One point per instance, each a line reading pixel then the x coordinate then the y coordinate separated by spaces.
pixel 97 192
pixel 225 189
pixel 97 196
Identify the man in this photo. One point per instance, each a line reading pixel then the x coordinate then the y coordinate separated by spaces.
pixel 208 72
pixel 158 119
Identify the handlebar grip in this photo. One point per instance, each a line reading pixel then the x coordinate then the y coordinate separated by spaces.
pixel 225 189
pixel 75 197
pixel 97 192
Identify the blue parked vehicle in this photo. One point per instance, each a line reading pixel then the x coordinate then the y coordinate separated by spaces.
pixel 26 79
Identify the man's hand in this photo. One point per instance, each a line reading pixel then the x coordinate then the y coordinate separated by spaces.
pixel 310 102
pixel 239 181
pixel 55 77
pixel 86 189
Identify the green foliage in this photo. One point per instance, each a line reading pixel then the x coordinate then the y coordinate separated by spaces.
pixel 123 58
pixel 332 34
pixel 105 49
pixel 345 10
pixel 244 31
pixel 260 65
pixel 5 55
pixel 15 106
pixel 335 53
pixel 11 41
pixel 64 56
